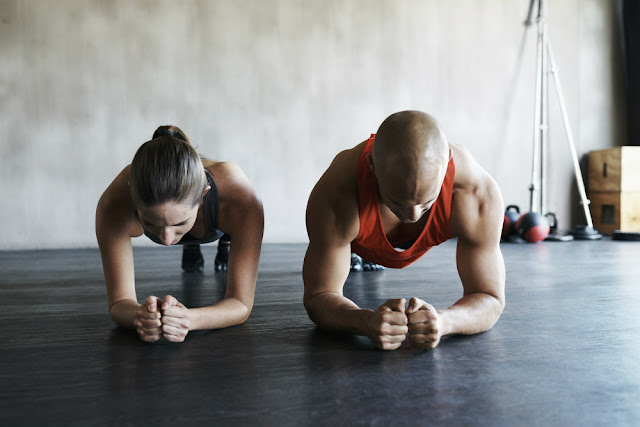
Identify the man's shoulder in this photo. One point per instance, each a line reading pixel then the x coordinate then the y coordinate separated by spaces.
pixel 340 179
pixel 470 176
pixel 334 199
pixel 477 203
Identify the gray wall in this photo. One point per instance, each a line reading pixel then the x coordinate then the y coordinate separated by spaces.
pixel 279 87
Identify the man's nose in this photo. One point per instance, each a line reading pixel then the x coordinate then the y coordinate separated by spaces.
pixel 416 213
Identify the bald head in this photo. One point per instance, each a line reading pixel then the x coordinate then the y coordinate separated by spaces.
pixel 411 140
pixel 410 156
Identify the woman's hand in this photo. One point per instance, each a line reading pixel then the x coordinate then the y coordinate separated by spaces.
pixel 175 320
pixel 147 320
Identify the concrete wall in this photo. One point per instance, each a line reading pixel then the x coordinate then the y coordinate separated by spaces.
pixel 279 87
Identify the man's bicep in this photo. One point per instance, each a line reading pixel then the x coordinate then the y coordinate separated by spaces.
pixel 481 268
pixel 330 229
pixel 326 267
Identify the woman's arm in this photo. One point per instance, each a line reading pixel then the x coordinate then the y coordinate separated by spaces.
pixel 241 215
pixel 115 225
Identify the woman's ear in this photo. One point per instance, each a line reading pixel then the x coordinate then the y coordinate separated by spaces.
pixel 206 190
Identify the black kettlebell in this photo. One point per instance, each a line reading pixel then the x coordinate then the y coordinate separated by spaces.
pixel 511 216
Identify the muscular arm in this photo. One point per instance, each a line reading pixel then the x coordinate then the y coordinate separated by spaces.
pixel 332 223
pixel 242 218
pixel 481 270
pixel 324 273
pixel 327 261
pixel 476 221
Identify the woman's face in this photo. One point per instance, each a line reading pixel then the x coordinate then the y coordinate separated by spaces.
pixel 169 221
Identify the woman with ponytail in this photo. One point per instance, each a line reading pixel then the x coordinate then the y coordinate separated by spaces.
pixel 174 196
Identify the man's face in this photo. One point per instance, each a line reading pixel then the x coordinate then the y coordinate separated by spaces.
pixel 409 195
pixel 408 209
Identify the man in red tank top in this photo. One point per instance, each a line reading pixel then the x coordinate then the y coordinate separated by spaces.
pixel 405 187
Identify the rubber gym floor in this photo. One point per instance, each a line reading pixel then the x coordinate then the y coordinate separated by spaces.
pixel 564 353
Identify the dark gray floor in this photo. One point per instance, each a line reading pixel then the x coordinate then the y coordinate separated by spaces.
pixel 566 351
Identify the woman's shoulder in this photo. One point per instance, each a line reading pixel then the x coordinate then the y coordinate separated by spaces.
pixel 119 187
pixel 219 167
pixel 225 173
pixel 234 187
pixel 115 204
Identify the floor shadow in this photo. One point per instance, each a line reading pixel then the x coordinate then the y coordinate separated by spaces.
pixel 198 291
pixel 321 339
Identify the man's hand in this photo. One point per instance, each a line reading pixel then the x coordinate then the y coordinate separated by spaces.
pixel 425 324
pixel 147 320
pixel 388 325
pixel 175 319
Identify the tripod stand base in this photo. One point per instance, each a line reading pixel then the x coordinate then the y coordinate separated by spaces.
pixel 559 236
pixel 582 232
pixel 555 235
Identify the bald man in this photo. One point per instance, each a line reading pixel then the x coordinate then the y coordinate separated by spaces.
pixel 390 199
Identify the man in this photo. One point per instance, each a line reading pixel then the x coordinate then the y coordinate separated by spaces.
pixel 404 188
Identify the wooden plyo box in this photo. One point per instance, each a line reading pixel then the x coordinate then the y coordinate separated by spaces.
pixel 615 211
pixel 614 189
pixel 615 170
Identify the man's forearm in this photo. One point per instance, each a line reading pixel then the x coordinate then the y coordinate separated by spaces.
pixel 334 312
pixel 472 314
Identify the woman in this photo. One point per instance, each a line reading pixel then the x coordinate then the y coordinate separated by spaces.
pixel 174 197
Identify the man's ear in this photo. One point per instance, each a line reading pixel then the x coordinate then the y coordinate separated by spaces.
pixel 370 162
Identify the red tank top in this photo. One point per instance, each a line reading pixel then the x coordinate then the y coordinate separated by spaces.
pixel 372 244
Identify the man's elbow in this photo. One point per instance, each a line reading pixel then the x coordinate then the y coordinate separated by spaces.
pixel 312 305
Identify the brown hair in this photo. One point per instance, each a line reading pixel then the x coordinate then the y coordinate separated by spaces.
pixel 167 169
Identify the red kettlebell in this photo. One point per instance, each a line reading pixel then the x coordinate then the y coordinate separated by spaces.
pixel 533 227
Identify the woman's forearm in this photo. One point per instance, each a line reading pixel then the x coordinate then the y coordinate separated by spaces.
pixel 228 312
pixel 123 312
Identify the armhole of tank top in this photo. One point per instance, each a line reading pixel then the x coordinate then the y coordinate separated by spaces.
pixel 359 179
pixel 215 199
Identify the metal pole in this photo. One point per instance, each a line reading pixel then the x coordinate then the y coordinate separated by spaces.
pixel 544 117
pixel 536 118
pixel 567 126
